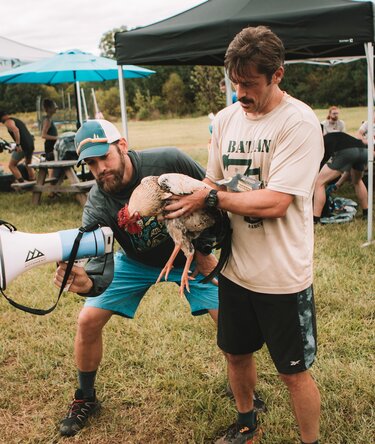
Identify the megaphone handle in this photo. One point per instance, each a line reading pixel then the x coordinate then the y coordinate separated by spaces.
pixel 77 263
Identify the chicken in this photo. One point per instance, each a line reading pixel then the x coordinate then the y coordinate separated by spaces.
pixel 149 199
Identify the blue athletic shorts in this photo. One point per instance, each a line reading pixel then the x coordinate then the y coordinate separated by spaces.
pixel 131 281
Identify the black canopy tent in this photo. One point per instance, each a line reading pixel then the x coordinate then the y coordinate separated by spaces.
pixel 319 29
pixel 200 36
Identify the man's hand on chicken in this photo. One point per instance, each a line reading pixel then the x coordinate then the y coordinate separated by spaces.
pixel 187 219
pixel 185 204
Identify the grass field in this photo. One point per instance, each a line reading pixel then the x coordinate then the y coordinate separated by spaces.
pixel 162 380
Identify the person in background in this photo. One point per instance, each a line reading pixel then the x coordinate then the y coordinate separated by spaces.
pixel 265 290
pixel 24 145
pixel 363 130
pixel 49 130
pixel 136 267
pixel 344 157
pixel 223 89
pixel 333 123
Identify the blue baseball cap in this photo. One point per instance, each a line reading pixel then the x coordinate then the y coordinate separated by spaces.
pixel 94 138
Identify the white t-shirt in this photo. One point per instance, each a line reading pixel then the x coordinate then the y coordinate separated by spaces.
pixel 282 149
pixel 333 127
pixel 364 129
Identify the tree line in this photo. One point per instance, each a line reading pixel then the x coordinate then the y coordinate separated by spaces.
pixel 194 90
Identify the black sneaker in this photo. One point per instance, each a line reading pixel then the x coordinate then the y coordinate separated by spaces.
pixel 259 404
pixel 78 413
pixel 237 434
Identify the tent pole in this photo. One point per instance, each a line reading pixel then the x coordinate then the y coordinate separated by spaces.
pixel 228 89
pixel 369 49
pixel 124 120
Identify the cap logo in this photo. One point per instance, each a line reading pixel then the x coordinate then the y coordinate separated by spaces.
pixel 95 139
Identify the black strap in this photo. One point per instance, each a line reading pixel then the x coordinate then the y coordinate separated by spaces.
pixel 8 225
pixel 72 257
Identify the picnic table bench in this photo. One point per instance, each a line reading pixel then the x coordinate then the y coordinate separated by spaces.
pixel 29 184
pixel 64 170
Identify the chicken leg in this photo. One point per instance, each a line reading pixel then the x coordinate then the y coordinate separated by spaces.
pixel 185 274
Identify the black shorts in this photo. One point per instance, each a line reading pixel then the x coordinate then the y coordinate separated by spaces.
pixel 348 158
pixel 285 322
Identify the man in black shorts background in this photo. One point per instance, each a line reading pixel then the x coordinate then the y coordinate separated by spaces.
pixel 24 145
pixel 344 156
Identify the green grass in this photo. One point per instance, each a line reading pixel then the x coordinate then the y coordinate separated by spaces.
pixel 162 379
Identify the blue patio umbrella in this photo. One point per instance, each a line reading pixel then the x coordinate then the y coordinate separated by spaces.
pixel 72 66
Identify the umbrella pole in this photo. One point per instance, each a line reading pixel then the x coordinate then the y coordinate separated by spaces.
pixel 79 104
pixel 84 104
pixel 124 119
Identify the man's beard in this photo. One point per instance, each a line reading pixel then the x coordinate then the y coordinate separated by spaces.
pixel 114 183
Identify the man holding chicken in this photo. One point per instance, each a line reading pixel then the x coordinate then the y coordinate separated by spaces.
pixel 265 292
pixel 118 286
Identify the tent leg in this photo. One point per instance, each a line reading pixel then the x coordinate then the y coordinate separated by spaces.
pixel 228 89
pixel 369 49
pixel 124 120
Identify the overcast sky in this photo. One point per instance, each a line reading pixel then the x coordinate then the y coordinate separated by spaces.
pixel 59 25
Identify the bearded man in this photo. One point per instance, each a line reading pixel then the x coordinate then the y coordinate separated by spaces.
pixel 118 286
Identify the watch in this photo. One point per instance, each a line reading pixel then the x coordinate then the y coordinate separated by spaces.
pixel 212 200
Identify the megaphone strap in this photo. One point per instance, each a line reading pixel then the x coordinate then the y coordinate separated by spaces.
pixel 73 253
pixel 72 257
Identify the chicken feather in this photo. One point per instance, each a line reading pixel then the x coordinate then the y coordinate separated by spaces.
pixel 149 199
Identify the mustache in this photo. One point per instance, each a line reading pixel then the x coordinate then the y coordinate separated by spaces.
pixel 103 175
pixel 246 101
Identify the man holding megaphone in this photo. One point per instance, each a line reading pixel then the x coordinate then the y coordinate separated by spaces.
pixel 128 275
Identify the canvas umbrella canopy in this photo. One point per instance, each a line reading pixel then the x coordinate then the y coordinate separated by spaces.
pixel 72 66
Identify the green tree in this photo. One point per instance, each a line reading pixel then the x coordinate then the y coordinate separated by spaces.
pixel 173 93
pixel 21 98
pixel 322 86
pixel 107 42
pixel 153 84
pixel 205 86
pixel 109 102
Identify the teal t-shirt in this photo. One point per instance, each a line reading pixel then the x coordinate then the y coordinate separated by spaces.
pixel 154 246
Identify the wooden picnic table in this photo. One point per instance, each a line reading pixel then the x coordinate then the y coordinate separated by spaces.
pixel 44 184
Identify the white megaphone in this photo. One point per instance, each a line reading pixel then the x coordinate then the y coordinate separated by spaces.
pixel 19 252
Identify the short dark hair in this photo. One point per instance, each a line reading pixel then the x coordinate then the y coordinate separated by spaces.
pixel 254 46
pixel 3 113
pixel 48 103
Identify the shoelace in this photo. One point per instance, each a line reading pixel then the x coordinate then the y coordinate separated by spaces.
pixel 75 406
